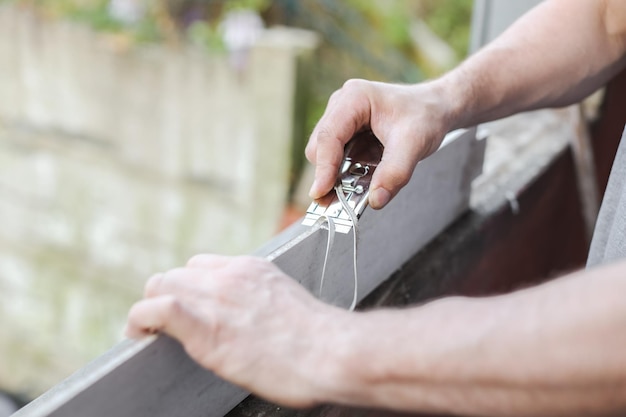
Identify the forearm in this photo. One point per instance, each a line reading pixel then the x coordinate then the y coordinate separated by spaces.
pixel 555 55
pixel 556 349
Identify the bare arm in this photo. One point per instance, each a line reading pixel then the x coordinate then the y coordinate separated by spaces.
pixel 555 349
pixel 555 55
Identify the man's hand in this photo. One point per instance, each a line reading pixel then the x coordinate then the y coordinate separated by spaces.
pixel 409 120
pixel 248 322
pixel 532 65
pixel 555 349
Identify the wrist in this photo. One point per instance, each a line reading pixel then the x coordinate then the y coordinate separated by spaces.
pixel 355 362
pixel 336 368
pixel 457 97
pixel 373 357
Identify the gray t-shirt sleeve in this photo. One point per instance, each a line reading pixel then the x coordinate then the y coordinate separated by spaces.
pixel 609 237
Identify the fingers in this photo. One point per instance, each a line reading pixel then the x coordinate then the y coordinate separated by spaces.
pixel 165 282
pixel 410 121
pixel 396 167
pixel 161 314
pixel 185 278
pixel 362 103
pixel 176 301
pixel 347 112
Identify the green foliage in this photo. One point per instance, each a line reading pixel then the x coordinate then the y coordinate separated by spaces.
pixel 205 35
pixel 158 25
pixel 372 40
pixel 258 5
pixel 450 19
pixel 94 13
pixel 390 20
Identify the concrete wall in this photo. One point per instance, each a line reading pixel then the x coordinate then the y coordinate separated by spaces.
pixel 119 162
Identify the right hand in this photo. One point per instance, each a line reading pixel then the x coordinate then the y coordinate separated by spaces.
pixel 251 324
pixel 409 120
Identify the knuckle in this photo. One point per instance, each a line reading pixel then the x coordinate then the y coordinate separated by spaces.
pixel 355 84
pixel 398 178
pixel 324 135
pixel 134 313
pixel 246 259
pixel 311 143
pixel 153 284
pixel 195 260
pixel 201 260
pixel 356 92
pixel 243 272
pixel 349 88
pixel 310 154
pixel 327 138
pixel 334 96
pixel 173 306
pixel 247 262
pixel 174 276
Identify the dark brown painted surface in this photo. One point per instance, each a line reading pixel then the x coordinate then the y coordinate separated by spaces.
pixel 495 250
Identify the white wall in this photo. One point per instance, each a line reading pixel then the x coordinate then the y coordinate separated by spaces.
pixel 118 162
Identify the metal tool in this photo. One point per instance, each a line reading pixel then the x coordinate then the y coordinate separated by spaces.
pixel 361 157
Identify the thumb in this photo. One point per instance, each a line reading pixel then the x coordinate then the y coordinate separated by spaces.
pixel 402 152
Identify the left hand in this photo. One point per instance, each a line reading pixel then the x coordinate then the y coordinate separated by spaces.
pixel 409 120
pixel 247 321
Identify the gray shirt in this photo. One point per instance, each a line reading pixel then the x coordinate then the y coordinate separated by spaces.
pixel 609 237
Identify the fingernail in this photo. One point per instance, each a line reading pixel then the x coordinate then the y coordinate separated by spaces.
pixel 379 198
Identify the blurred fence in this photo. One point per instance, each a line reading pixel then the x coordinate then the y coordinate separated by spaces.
pixel 134 159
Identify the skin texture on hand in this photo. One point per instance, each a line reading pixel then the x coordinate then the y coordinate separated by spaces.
pixel 555 55
pixel 409 120
pixel 556 349
pixel 553 350
pixel 244 319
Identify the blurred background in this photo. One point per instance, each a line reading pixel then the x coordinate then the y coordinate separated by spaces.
pixel 137 133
